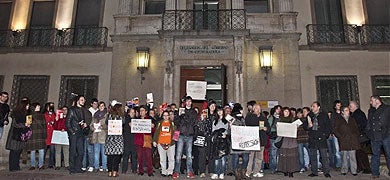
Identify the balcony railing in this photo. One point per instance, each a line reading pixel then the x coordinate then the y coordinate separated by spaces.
pixel 40 37
pixel 217 20
pixel 346 34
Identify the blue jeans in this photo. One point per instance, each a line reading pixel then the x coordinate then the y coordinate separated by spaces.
pixel 1 132
pixel 187 140
pixel 41 157
pixel 273 155
pixel 303 161
pixel 99 150
pixel 88 152
pixel 334 152
pixel 52 155
pixel 220 165
pixel 235 161
pixel 376 153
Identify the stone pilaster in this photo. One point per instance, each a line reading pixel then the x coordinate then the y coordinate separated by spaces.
pixel 169 68
pixel 285 6
pixel 238 4
pixel 170 4
pixel 238 65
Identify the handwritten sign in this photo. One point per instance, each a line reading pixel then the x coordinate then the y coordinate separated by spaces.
pixel 114 127
pixel 245 138
pixel 196 89
pixel 286 129
pixel 141 126
pixel 60 137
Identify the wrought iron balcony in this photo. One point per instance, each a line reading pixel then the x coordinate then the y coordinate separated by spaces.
pixel 347 34
pixel 41 37
pixel 218 20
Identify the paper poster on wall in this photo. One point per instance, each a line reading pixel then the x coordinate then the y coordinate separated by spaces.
pixel 196 89
pixel 141 126
pixel 245 137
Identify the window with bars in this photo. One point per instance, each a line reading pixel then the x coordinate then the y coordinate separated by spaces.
pixel 1 82
pixel 34 87
pixel 381 87
pixel 77 85
pixel 331 88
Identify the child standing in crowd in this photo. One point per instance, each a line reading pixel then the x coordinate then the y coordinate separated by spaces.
pixel 162 139
pixel 99 135
pixel 220 144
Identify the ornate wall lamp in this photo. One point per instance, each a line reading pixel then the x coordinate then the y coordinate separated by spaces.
pixel 265 57
pixel 142 61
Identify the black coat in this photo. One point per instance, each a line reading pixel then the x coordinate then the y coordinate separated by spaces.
pixel 254 120
pixel 318 139
pixel 347 133
pixel 361 120
pixel 378 127
pixel 128 137
pixel 18 122
pixel 185 122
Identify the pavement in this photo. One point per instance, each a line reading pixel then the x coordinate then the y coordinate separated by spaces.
pixel 62 174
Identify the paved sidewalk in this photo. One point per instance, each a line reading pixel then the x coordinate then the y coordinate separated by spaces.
pixel 64 175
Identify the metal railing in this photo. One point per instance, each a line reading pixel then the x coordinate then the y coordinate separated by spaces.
pixel 218 20
pixel 347 34
pixel 43 37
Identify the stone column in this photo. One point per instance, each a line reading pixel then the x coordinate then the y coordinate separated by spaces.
pixel 169 68
pixel 170 5
pixel 238 64
pixel 285 6
pixel 238 4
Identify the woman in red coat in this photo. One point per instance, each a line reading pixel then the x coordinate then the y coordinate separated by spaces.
pixel 50 118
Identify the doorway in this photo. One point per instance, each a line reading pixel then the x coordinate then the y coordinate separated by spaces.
pixel 215 76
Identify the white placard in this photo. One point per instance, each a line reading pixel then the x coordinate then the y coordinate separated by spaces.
pixel 196 89
pixel 286 129
pixel 60 137
pixel 114 127
pixel 150 97
pixel 245 137
pixel 141 126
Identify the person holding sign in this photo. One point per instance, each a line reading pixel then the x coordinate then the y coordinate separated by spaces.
pixel 99 135
pixel 37 141
pixel 59 125
pixel 257 119
pixel 162 139
pixel 288 159
pixel 114 142
pixel 185 123
pixel 128 138
pixel 50 117
pixel 143 146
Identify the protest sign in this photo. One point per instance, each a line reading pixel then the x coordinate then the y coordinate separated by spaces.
pixel 114 127
pixel 141 126
pixel 286 129
pixel 60 137
pixel 245 137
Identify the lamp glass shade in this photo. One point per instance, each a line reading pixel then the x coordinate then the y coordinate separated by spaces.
pixel 142 58
pixel 266 58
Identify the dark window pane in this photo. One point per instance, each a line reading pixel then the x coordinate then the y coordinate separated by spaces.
pixel 88 12
pixel 328 12
pixel 5 9
pixel 154 7
pixel 331 88
pixel 42 14
pixel 36 88
pixel 80 85
pixel 378 11
pixel 256 6
pixel 381 87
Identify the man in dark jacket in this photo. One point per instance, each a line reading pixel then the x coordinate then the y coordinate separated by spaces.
pixel 185 123
pixel 4 111
pixel 75 123
pixel 257 119
pixel 378 130
pixel 361 121
pixel 319 130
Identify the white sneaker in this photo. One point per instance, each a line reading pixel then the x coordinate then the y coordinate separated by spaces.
pixel 83 169
pixel 302 170
pixel 101 169
pixel 247 175
pixel 214 176
pixel 221 176
pixel 203 175
pixel 258 175
pixel 90 169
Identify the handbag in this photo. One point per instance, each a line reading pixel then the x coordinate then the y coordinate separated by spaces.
pixel 363 138
pixel 278 142
pixel 156 159
pixel 22 134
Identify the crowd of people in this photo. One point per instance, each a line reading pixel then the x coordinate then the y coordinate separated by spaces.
pixel 197 142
